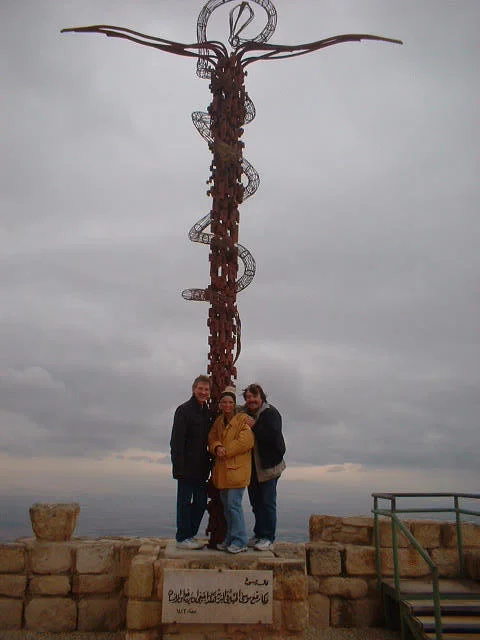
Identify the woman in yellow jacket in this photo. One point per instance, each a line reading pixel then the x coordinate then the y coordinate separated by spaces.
pixel 231 441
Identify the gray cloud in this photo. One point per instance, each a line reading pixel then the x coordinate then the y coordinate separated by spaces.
pixel 362 320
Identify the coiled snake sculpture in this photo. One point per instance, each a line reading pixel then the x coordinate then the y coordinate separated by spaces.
pixel 222 128
pixel 229 84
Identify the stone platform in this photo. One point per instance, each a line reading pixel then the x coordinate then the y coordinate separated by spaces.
pixel 289 603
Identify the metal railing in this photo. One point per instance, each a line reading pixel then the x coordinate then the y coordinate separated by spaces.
pixel 397 525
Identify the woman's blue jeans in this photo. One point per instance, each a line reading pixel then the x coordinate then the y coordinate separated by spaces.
pixel 232 508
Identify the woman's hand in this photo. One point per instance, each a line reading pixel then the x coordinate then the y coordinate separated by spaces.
pixel 220 451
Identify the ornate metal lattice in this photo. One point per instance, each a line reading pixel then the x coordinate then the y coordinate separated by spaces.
pixel 222 128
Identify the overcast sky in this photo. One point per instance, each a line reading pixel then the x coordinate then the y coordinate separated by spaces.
pixel 362 321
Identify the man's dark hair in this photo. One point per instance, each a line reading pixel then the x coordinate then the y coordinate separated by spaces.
pixel 256 390
pixel 201 378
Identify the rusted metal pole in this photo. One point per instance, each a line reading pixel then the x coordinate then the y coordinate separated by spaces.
pixel 227 113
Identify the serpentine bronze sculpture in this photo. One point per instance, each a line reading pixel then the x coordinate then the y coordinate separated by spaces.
pixel 222 128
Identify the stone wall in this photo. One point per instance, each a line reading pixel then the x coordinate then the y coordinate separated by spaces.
pixel 342 569
pixel 109 585
pixel 115 584
pixel 65 586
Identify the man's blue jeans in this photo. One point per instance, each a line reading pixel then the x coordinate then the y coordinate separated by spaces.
pixel 191 505
pixel 233 511
pixel 263 498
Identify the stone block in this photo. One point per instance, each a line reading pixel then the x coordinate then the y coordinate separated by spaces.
pixel 290 550
pixel 141 578
pixel 362 613
pixel 350 530
pixel 472 564
pixel 318 611
pixel 210 631
pixel 411 564
pixel 12 557
pixel 51 614
pixel 186 632
pixel 158 568
pixel 95 558
pixel 373 588
pixel 91 583
pixel 143 615
pixel 143 635
pixel 312 584
pixel 350 588
pixel 149 549
pixel 49 557
pixel 289 577
pixel 10 614
pixel 193 635
pixel 49 585
pixel 100 615
pixel 447 562
pixel 318 523
pixel 323 559
pixel 54 522
pixel 257 635
pixel 124 555
pixel 427 533
pixel 354 530
pixel 277 615
pixel 367 612
pixel 12 586
pixel 470 534
pixel 341 613
pixel 238 630
pixel 291 585
pixel 385 528
pixel 360 561
pixel 295 615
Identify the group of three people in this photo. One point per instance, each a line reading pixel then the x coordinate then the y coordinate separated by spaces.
pixel 247 446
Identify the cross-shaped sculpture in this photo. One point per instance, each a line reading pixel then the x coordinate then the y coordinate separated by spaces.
pixel 222 127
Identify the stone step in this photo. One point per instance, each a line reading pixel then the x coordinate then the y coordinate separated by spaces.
pixel 447 607
pixel 450 624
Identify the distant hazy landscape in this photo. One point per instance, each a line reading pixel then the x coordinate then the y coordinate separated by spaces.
pixel 154 515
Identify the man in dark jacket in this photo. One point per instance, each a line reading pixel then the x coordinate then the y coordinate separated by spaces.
pixel 191 461
pixel 267 465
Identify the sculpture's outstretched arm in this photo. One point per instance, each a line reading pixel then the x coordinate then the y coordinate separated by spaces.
pixel 277 51
pixel 190 50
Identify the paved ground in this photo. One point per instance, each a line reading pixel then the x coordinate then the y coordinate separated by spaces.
pixel 351 634
pixel 311 634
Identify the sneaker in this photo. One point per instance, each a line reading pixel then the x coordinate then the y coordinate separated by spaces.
pixel 189 544
pixel 234 549
pixel 253 541
pixel 222 546
pixel 263 545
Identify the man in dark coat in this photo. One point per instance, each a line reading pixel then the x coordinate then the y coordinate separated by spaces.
pixel 267 465
pixel 191 461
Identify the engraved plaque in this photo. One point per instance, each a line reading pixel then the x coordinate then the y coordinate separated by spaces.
pixel 221 595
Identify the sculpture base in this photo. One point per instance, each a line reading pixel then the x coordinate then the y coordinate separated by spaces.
pixel 216 595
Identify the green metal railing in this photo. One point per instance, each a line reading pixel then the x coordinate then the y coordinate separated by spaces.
pixel 397 525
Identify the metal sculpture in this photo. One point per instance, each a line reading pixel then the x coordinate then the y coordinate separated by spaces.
pixel 222 128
